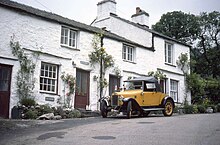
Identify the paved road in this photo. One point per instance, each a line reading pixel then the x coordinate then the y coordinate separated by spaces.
pixel 198 129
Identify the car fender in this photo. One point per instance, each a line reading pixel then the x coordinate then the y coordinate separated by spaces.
pixel 105 100
pixel 135 105
pixel 165 99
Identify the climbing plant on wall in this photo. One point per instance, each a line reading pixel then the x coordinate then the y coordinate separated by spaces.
pixel 100 57
pixel 69 89
pixel 25 75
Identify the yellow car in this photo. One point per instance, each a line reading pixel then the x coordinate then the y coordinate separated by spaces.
pixel 139 96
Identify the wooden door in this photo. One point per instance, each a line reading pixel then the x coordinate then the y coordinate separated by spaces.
pixel 5 83
pixel 114 84
pixel 82 88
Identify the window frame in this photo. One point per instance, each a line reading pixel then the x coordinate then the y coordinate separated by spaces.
pixel 174 86
pixel 67 35
pixel 48 78
pixel 169 57
pixel 128 53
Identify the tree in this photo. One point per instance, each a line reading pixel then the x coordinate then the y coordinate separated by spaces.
pixel 203 32
pixel 178 25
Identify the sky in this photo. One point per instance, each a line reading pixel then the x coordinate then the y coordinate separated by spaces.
pixel 85 11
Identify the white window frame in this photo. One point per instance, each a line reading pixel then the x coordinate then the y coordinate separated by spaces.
pixel 48 78
pixel 174 90
pixel 169 53
pixel 68 37
pixel 128 53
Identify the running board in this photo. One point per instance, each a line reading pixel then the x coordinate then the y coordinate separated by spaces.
pixel 153 109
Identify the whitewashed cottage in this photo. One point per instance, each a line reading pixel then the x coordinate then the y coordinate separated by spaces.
pixel 65 45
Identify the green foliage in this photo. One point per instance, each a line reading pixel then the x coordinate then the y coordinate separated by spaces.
pixel 201 108
pixel 183 62
pixel 70 82
pixel 218 107
pixel 44 109
pixel 190 109
pixel 74 114
pixel 102 58
pixel 100 53
pixel 28 102
pixel 178 25
pixel 203 33
pixel 25 81
pixel 197 85
pixel 31 114
pixel 157 74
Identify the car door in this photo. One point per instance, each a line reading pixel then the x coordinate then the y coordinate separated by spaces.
pixel 150 95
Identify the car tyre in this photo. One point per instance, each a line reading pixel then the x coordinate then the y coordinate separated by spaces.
pixel 168 108
pixel 129 110
pixel 104 110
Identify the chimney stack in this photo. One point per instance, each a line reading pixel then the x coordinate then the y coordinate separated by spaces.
pixel 104 8
pixel 141 17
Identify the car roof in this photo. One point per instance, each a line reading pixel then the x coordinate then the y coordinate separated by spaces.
pixel 147 79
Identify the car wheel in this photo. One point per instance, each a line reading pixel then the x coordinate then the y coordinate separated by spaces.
pixel 168 108
pixel 129 110
pixel 104 110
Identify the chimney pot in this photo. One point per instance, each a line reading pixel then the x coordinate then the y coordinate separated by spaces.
pixel 138 10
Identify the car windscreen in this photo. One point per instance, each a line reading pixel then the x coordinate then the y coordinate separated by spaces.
pixel 133 85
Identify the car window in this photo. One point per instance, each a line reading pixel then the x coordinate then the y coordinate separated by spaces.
pixel 133 85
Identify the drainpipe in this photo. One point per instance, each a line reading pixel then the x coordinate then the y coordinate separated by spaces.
pixel 101 65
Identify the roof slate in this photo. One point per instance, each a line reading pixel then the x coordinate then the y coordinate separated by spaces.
pixel 64 21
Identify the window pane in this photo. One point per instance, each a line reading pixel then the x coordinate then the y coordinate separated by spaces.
pixel 169 53
pixel 47 81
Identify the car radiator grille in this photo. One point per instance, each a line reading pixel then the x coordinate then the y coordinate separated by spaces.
pixel 114 101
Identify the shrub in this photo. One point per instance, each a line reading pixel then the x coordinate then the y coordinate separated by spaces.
pixel 218 107
pixel 30 114
pixel 188 109
pixel 73 114
pixel 44 109
pixel 201 108
pixel 28 102
pixel 214 108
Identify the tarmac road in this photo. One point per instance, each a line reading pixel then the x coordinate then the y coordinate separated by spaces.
pixel 195 129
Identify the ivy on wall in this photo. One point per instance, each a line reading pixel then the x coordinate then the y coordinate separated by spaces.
pixel 25 75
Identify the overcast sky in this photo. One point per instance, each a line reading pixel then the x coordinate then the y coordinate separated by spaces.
pixel 85 11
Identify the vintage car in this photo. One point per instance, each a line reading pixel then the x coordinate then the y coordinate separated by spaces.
pixel 139 96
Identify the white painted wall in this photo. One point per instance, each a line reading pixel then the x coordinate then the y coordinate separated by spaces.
pixel 147 60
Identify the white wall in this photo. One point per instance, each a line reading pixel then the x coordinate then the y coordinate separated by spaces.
pixel 147 60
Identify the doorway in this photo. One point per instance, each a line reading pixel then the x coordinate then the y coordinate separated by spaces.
pixel 82 88
pixel 5 85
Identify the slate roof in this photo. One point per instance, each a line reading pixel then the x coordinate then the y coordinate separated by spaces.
pixel 65 21
pixel 149 30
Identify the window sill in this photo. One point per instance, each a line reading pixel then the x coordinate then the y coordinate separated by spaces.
pixel 170 64
pixel 71 48
pixel 129 61
pixel 49 93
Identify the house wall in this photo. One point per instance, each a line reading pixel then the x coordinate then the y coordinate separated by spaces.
pixel 125 29
pixel 148 60
pixel 34 33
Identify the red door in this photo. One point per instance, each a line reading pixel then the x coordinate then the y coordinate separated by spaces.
pixel 5 82
pixel 82 88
